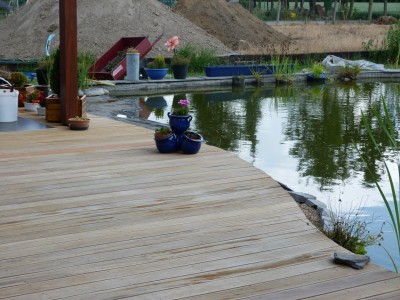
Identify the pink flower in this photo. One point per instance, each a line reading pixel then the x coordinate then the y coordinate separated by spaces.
pixel 184 102
pixel 172 42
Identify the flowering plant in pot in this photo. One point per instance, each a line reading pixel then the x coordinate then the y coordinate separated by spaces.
pixel 179 63
pixel 34 100
pixel 179 120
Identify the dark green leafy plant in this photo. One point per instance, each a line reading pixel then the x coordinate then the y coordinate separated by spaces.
pixel 198 57
pixel 161 133
pixel 18 79
pixel 178 60
pixel 112 64
pixel 392 44
pixel 55 72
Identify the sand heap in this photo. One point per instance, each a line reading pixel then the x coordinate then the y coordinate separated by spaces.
pixel 100 24
pixel 230 23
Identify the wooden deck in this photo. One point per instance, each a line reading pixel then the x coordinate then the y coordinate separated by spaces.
pixel 100 214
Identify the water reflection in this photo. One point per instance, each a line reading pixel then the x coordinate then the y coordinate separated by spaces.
pixel 303 135
pixel 321 123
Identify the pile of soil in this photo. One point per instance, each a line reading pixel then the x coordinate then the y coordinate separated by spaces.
pixel 230 23
pixel 100 24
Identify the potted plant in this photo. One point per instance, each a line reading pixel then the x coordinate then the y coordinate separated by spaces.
pixel 132 64
pixel 53 104
pixel 284 69
pixel 179 120
pixel 20 82
pixel 42 71
pixel 179 62
pixel 156 69
pixel 166 141
pixel 79 123
pixel 33 100
pixel 191 142
pixel 180 66
pixel 317 73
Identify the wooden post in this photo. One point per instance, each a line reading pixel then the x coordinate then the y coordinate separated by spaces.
pixel 69 59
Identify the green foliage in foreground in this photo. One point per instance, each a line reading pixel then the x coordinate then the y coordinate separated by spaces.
pixel 389 51
pixel 386 124
pixel 350 231
pixel 200 57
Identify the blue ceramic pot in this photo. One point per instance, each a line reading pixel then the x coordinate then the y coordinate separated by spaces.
pixel 191 142
pixel 179 124
pixel 168 144
pixel 320 79
pixel 156 74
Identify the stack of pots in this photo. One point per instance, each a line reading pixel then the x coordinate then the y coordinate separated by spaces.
pixel 179 139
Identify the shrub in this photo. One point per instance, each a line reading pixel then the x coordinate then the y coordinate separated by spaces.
pixel 199 57
pixel 55 72
pixel 18 79
pixel 392 44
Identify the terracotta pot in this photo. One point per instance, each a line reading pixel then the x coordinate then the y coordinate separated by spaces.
pixel 78 124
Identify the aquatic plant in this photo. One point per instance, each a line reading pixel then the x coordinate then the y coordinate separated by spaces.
pixel 349 230
pixel 393 209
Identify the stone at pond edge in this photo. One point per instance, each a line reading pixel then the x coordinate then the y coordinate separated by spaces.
pixel 355 261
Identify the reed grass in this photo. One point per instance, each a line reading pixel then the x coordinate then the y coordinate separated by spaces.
pixel 393 209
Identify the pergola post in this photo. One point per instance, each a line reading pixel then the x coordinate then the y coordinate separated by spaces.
pixel 69 59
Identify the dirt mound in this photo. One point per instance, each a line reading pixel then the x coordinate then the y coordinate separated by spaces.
pixel 100 24
pixel 230 23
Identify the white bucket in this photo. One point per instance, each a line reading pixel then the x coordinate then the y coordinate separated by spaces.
pixel 8 105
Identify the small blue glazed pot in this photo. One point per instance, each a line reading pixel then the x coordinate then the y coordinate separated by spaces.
pixel 191 142
pixel 168 144
pixel 179 124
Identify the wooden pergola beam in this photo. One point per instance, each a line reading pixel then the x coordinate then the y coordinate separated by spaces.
pixel 69 59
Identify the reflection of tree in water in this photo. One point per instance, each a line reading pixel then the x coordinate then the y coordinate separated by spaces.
pixel 225 122
pixel 324 132
pixel 217 121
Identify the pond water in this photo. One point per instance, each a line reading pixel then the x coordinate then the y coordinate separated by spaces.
pixel 304 136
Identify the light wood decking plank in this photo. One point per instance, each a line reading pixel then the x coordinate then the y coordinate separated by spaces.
pixel 100 214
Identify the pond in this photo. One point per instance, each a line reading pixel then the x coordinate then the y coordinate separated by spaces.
pixel 303 136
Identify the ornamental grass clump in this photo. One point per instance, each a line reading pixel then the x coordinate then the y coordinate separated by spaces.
pixel 349 230
pixel 157 63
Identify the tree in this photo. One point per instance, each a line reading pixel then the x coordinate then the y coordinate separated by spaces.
pixel 313 4
pixel 385 8
pixel 370 2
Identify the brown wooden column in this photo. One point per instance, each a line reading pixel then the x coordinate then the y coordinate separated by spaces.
pixel 69 54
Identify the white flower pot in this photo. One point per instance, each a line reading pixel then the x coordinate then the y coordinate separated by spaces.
pixel 31 106
pixel 8 105
pixel 41 111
